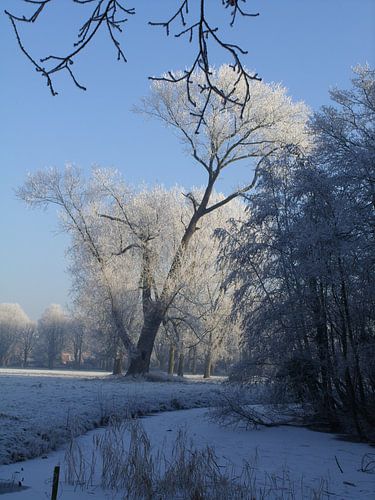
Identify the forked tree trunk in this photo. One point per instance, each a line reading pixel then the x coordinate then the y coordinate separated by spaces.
pixel 154 311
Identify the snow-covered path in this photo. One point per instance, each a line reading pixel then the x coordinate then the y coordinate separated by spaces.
pixel 294 453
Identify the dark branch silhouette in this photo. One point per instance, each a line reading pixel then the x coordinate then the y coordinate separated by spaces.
pixel 201 31
pixel 110 15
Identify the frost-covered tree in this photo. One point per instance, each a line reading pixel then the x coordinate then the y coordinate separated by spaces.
pixel 52 332
pixel 164 212
pixel 227 136
pixel 13 324
pixel 303 263
pixel 199 319
pixel 27 340
pixel 76 336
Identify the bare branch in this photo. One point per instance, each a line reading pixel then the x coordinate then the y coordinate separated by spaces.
pixel 112 14
pixel 109 13
pixel 203 32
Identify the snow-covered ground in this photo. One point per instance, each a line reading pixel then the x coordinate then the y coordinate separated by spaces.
pixel 42 372
pixel 39 408
pixel 296 459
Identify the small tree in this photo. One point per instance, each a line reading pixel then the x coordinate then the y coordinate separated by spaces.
pixel 27 339
pixel 13 322
pixel 52 331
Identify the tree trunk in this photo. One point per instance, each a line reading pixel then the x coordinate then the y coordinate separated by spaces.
pixel 194 361
pixel 140 361
pixel 208 365
pixel 180 369
pixel 171 360
pixel 322 343
pixel 117 365
pixel 25 358
pixel 80 357
pixel 154 311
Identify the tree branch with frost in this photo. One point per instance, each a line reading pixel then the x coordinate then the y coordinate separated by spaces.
pixel 235 407
pixel 269 118
pixel 69 191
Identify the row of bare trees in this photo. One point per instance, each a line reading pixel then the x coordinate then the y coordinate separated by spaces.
pixel 42 342
pixel 88 341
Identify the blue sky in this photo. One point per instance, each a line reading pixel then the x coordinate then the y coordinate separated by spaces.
pixel 307 45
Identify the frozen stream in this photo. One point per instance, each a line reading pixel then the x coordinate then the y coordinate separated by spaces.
pixel 294 453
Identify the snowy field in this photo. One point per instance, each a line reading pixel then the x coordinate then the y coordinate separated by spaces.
pixel 297 461
pixel 39 409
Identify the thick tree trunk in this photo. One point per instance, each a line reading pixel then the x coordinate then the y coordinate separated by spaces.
pixel 154 311
pixel 117 367
pixel 140 361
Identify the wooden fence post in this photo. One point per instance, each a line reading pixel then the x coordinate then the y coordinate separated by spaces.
pixel 55 482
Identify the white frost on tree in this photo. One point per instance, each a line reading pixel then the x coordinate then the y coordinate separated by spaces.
pixel 228 136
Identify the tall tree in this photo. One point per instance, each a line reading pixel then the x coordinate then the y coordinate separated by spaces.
pixel 227 136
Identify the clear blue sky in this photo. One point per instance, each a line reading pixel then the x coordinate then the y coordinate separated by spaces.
pixel 308 45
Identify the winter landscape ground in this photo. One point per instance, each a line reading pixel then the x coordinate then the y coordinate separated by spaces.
pixel 40 411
